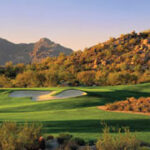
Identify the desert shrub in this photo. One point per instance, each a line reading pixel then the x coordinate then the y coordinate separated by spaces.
pixel 50 137
pixel 112 106
pixel 131 104
pixel 86 77
pixel 10 71
pixel 19 67
pixel 120 48
pixel 79 141
pixel 128 108
pixel 101 77
pixel 132 41
pixel 145 77
pixel 52 78
pixel 87 147
pixel 68 142
pixel 5 81
pixel 28 135
pixel 117 78
pixel 63 138
pixel 121 141
pixel 27 79
pixel 18 137
pixel 91 142
pixel 71 145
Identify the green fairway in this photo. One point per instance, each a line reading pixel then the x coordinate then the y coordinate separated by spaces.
pixel 78 116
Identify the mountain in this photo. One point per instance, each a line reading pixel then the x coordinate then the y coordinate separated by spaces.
pixel 121 60
pixel 44 47
pixel 27 53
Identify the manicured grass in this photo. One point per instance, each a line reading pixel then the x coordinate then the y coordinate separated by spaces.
pixel 78 116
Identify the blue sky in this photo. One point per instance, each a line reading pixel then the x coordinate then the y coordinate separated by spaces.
pixel 73 23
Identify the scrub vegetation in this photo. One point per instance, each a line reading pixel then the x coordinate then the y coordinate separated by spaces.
pixel 123 60
pixel 131 104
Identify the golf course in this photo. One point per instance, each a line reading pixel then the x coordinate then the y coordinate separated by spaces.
pixel 77 115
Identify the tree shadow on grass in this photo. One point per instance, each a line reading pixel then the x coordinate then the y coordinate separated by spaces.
pixel 116 95
pixel 94 126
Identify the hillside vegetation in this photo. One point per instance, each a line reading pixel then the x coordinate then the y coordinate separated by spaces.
pixel 123 60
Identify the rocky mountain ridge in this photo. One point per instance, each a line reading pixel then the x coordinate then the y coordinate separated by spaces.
pixel 32 52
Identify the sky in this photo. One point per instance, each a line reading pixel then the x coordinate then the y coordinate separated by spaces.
pixel 76 24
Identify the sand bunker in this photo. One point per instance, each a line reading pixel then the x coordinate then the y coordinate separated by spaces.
pixel 33 94
pixel 47 95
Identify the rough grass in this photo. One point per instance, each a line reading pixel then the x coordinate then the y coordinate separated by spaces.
pixel 78 116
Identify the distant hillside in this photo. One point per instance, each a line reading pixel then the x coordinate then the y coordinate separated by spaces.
pixel 122 60
pixel 27 53
pixel 128 52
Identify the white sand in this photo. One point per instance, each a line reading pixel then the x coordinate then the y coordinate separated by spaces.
pixel 33 94
pixel 47 95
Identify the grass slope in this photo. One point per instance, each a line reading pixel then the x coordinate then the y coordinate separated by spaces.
pixel 78 116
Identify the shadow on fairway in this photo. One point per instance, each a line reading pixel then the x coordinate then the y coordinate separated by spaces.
pixel 94 126
pixel 116 95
